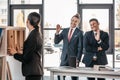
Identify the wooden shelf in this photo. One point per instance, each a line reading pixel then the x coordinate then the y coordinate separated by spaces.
pixel 10 36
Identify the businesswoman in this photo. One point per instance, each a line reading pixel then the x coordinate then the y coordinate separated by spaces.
pixel 32 50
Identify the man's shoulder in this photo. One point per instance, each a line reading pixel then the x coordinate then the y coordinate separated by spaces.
pixel 65 28
pixel 88 32
pixel 104 32
pixel 79 30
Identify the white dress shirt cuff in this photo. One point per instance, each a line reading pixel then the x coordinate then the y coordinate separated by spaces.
pixel 99 41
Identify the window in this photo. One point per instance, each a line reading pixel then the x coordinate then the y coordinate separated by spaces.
pixel 117 13
pixel 117 33
pixel 3 21
pixel 96 1
pixel 3 12
pixel 96 13
pixel 26 2
pixel 55 12
pixel 59 13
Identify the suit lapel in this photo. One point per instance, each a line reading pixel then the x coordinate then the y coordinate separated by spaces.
pixel 75 32
pixel 93 37
pixel 93 41
pixel 67 31
pixel 30 35
pixel 101 33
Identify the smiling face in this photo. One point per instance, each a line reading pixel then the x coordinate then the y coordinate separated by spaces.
pixel 74 22
pixel 94 25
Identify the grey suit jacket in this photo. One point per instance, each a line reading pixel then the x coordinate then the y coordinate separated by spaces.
pixel 72 48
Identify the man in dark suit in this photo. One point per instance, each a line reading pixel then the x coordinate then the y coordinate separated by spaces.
pixel 95 42
pixel 72 43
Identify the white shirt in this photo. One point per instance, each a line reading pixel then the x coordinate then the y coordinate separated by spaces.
pixel 29 33
pixel 95 33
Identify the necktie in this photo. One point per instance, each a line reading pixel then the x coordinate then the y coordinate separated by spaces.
pixel 70 35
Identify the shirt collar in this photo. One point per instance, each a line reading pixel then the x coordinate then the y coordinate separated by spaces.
pixel 94 32
pixel 73 28
pixel 31 30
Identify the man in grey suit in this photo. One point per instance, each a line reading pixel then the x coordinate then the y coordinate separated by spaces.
pixel 96 42
pixel 72 43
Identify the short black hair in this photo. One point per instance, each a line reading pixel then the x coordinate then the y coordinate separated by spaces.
pixel 93 19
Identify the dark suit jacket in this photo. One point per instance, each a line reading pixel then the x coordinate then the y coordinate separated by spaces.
pixel 91 46
pixel 72 48
pixel 31 57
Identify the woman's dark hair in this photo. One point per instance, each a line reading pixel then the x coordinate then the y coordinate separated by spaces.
pixel 93 19
pixel 34 19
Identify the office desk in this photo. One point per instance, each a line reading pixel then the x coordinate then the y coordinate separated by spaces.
pixel 83 72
